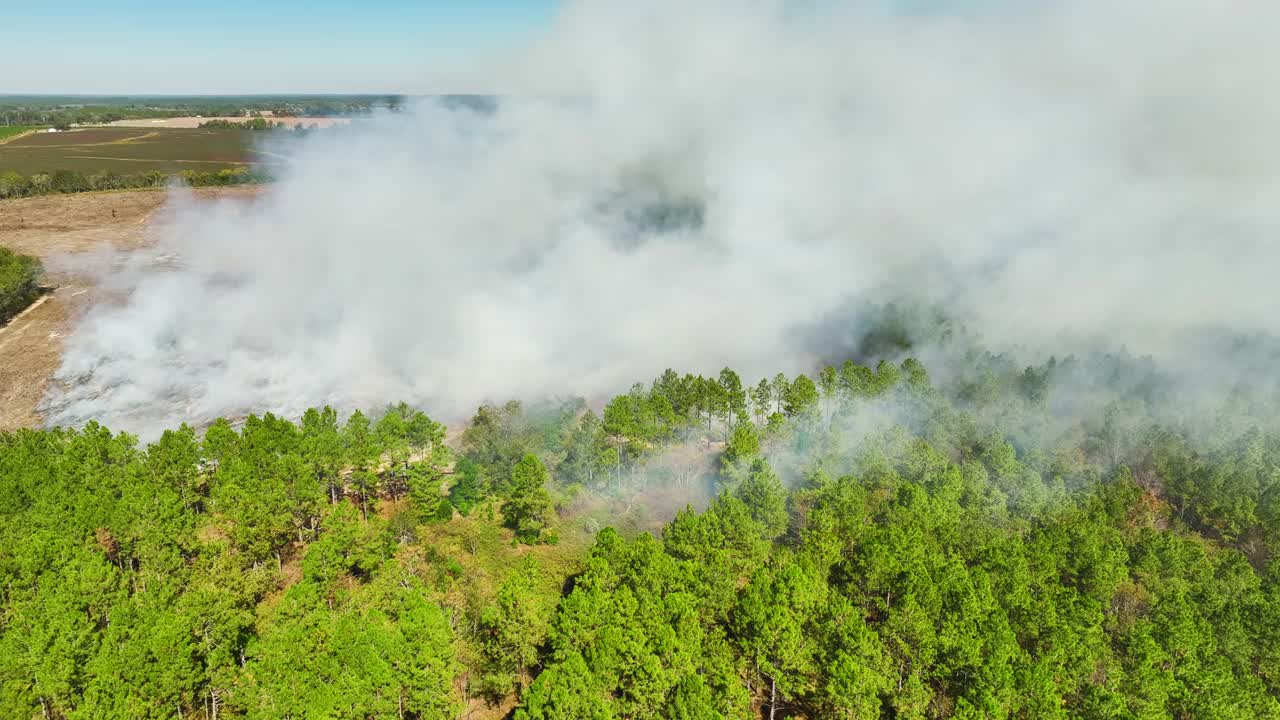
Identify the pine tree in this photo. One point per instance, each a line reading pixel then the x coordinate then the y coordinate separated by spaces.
pixel 527 508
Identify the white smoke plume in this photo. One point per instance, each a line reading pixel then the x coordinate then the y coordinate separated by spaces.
pixel 685 184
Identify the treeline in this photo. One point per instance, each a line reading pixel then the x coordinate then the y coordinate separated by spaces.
pixel 65 116
pixel 19 282
pixel 873 545
pixel 71 110
pixel 13 185
pixel 257 123
pixel 221 178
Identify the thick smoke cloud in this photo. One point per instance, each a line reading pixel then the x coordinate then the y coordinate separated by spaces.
pixel 666 186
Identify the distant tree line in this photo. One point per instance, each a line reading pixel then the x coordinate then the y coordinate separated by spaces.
pixel 257 123
pixel 66 111
pixel 13 185
pixel 221 178
pixel 19 282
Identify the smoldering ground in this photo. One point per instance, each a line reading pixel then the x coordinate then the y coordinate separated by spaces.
pixel 1057 174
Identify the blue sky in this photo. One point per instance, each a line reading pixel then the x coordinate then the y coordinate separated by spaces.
pixel 243 46
pixel 283 46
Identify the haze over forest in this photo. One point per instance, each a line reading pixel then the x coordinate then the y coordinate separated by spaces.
pixel 1056 179
pixel 742 359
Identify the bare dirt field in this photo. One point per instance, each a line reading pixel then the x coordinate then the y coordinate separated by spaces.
pixel 46 227
pixel 195 122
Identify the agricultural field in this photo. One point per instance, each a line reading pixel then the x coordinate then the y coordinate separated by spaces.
pixel 130 151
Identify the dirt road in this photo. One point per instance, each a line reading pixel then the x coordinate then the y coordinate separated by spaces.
pixel 31 344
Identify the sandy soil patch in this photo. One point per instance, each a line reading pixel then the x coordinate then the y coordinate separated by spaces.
pixel 31 344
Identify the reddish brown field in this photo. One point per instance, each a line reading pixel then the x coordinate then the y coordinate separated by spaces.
pixel 129 150
pixel 76 138
pixel 31 344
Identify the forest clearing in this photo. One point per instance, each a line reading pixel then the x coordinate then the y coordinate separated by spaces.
pixel 52 229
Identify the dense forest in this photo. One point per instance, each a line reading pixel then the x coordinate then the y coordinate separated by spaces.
pixel 869 541
pixel 19 282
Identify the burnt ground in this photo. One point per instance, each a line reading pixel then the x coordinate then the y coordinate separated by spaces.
pixel 59 225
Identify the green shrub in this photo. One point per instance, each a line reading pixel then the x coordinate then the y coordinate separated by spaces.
pixel 19 282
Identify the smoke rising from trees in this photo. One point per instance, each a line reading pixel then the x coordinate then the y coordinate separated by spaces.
pixel 665 186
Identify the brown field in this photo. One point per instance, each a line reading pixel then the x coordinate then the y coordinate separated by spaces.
pixel 194 122
pixel 79 138
pixel 129 150
pixel 31 344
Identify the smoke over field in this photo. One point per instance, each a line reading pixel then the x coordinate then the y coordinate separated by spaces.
pixel 659 186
